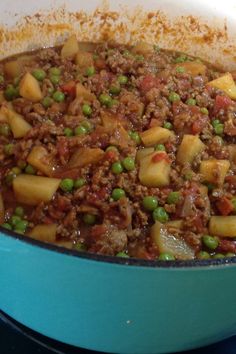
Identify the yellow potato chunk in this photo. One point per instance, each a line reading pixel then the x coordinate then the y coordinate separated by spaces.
pixel 214 171
pixel 225 83
pixel 168 243
pixel 143 152
pixel 38 158
pixel 13 68
pixel 83 92
pixel 85 156
pixel 32 190
pixel 224 226
pixel 30 88
pixel 142 48
pixel 154 170
pixel 193 68
pixel 189 148
pixel 18 124
pixel 156 135
pixel 44 232
pixel 70 48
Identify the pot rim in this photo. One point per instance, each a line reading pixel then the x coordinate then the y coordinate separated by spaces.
pixel 189 264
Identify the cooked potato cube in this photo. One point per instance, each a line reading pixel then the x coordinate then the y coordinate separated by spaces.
pixel 83 92
pixel 168 243
pixel 193 68
pixel 32 190
pixel 13 68
pixel 143 152
pixel 70 48
pixel 85 156
pixel 225 83
pixel 224 226
pixel 154 170
pixel 189 148
pixel 38 158
pixel 214 171
pixel 155 135
pixel 44 232
pixel 30 88
pixel 2 210
pixel 84 60
pixel 18 124
pixel 66 244
pixel 142 48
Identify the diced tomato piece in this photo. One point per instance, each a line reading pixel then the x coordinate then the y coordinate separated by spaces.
pixel 111 156
pixel 221 102
pixel 227 246
pixel 149 82
pixel 199 124
pixel 225 206
pixel 160 157
pixel 69 88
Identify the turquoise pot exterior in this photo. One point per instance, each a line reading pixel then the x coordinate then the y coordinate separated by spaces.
pixel 118 308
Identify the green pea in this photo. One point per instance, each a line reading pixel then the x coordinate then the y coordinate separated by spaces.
pixel 87 125
pixel 204 110
pixel 47 102
pixel 150 203
pixel 117 168
pixel 105 99
pixel 167 125
pixel 128 163
pixel 11 93
pixel 122 79
pixel 39 74
pixel 180 59
pixel 166 257
pixel 79 182
pixel 6 226
pixel 122 255
pixel 191 102
pixel 68 132
pixel 67 184
pixel 159 214
pixel 173 197
pixel 210 242
pixel 5 129
pixel 58 96
pixel 80 246
pixel 55 79
pixel 139 57
pixel 30 170
pixel 160 147
pixel 135 137
pixel 87 110
pixel 203 255
pixel 174 97
pixel 8 149
pixel 80 130
pixel 14 220
pixel 118 193
pixel 180 69
pixel 219 129
pixel 114 90
pixel 233 200
pixel 21 226
pixel 218 256
pixel 19 211
pixel 16 170
pixel 55 71
pixel 50 90
pixel 215 122
pixel 89 219
pixel 1 79
pixel 112 148
pixel 90 71
pixel 230 254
